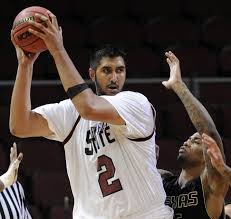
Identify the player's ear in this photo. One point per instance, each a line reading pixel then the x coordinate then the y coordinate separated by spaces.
pixel 92 74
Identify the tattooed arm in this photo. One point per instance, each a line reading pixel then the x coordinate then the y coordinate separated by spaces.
pixel 199 116
pixel 214 185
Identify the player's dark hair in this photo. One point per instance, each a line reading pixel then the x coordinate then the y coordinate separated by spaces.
pixel 105 51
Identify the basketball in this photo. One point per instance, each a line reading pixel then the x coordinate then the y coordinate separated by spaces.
pixel 23 38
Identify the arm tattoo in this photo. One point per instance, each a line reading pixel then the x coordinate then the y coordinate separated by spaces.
pixel 200 118
pixel 196 111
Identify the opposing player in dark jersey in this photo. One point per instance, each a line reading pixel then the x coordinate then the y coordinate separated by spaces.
pixel 199 191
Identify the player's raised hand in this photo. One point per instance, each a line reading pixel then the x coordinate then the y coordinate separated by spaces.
pixel 23 56
pixel 11 175
pixel 50 32
pixel 175 72
pixel 214 153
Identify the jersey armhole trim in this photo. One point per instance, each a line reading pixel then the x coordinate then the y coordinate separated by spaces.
pixel 72 131
pixel 154 128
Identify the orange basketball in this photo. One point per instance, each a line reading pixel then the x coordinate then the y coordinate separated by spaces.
pixel 23 38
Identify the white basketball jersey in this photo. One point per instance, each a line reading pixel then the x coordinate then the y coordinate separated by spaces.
pixel 112 168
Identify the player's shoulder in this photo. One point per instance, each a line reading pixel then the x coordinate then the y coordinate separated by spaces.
pixel 165 174
pixel 67 103
pixel 170 182
pixel 168 177
pixel 136 96
pixel 131 93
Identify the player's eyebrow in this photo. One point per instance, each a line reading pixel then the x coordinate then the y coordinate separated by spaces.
pixel 196 138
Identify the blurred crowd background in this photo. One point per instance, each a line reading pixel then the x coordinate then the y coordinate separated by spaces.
pixel 197 31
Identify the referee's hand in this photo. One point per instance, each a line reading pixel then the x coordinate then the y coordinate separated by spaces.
pixel 10 177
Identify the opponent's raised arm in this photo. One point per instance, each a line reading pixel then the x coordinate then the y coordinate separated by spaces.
pixel 200 118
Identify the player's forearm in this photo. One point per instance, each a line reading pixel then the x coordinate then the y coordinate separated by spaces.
pixel 67 71
pixel 199 116
pixel 20 101
pixel 70 76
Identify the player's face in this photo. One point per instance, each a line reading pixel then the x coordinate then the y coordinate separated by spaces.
pixel 109 76
pixel 191 152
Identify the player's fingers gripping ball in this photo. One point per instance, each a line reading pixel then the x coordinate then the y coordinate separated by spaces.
pixel 22 37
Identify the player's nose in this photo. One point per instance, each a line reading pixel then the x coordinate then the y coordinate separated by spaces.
pixel 114 77
pixel 186 143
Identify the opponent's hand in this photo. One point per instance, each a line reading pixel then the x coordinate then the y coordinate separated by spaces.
pixel 214 153
pixel 175 72
pixel 23 56
pixel 10 177
pixel 50 32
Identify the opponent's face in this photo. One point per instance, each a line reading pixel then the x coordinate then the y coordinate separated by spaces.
pixel 191 153
pixel 109 76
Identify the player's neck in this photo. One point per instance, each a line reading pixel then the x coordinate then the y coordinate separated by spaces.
pixel 188 174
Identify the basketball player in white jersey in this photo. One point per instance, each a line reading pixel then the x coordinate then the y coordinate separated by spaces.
pixel 109 138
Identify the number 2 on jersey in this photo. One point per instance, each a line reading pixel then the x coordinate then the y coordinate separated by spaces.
pixel 106 187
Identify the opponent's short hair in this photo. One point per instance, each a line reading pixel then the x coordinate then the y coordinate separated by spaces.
pixel 105 51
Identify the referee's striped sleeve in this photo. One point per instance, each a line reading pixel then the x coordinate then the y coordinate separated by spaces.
pixel 13 203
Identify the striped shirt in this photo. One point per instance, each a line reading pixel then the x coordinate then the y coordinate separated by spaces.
pixel 13 204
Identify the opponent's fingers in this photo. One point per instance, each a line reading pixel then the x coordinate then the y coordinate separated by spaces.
pixel 167 54
pixel 211 145
pixel 210 154
pixel 206 138
pixel 171 56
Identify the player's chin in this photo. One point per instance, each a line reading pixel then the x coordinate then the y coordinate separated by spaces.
pixel 112 92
